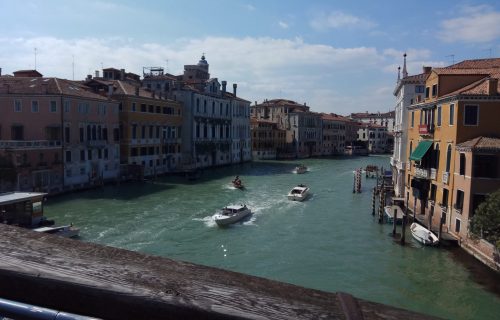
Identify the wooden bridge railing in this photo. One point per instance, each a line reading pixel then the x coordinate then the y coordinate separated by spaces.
pixel 110 283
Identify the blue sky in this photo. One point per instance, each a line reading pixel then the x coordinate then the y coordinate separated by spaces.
pixel 337 56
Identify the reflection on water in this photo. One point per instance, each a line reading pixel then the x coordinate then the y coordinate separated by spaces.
pixel 329 242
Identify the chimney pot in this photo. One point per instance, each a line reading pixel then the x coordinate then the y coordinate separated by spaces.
pixel 97 73
pixel 224 84
pixel 110 90
pixel 122 74
pixel 234 88
pixel 492 86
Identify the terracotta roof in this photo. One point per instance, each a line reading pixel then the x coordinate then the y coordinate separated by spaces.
pixel 362 115
pixel 479 87
pixel 46 86
pixel 480 144
pixel 332 116
pixel 457 71
pixel 416 77
pixel 477 64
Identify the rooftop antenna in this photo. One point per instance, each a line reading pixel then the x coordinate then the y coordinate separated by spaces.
pixel 166 69
pixel 35 58
pixel 452 58
pixel 73 66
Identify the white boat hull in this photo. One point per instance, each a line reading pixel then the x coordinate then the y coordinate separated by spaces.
pixel 224 220
pixel 423 235
pixel 62 231
pixel 298 194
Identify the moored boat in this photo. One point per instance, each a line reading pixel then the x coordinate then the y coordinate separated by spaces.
pixel 423 235
pixel 299 193
pixel 67 231
pixel 389 214
pixel 231 214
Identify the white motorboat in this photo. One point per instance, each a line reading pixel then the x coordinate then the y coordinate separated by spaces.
pixel 423 235
pixel 299 193
pixel 300 169
pixel 67 231
pixel 231 214
pixel 389 213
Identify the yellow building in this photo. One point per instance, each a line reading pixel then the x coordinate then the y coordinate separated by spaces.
pixel 150 126
pixel 462 102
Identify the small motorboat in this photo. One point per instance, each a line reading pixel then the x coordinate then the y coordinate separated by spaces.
pixel 299 193
pixel 237 183
pixel 231 214
pixel 389 214
pixel 423 235
pixel 67 231
pixel 300 169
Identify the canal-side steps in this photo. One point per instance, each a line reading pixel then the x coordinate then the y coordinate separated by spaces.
pixel 94 280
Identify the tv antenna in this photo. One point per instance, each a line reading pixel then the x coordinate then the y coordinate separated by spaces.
pixel 452 58
pixel 73 66
pixel 35 58
pixel 166 68
pixel 490 50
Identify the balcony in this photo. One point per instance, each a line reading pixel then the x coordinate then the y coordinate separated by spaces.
pixel 422 173
pixel 29 144
pixel 433 174
pixel 425 129
pixel 446 176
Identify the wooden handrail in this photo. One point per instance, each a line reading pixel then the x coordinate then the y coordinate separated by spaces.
pixel 111 283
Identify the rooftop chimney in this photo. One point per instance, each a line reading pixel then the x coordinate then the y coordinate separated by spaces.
pixel 0 72
pixel 426 69
pixel 122 74
pixel 492 86
pixel 89 77
pixel 97 73
pixel 234 88
pixel 224 84
pixel 136 91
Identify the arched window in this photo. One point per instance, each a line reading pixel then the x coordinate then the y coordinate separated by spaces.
pixel 448 158
pixel 462 164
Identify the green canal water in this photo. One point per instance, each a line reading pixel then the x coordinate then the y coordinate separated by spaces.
pixel 330 242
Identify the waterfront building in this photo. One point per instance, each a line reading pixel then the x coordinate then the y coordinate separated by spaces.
pixel 150 127
pixel 409 90
pixel 375 138
pixel 55 134
pixel 303 128
pixel 461 103
pixel 385 119
pixel 333 134
pixel 267 139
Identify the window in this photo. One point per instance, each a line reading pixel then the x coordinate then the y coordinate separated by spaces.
pixel 419 89
pixel 427 89
pixel 462 164
pixel 434 90
pixel 116 134
pixel 67 106
pixel 411 147
pixel 457 225
pixel 485 166
pixel 412 118
pixel 67 134
pixel 439 116
pixel 452 114
pixel 106 153
pixel 143 107
pixel 82 134
pixel 89 154
pixel 82 155
pixel 17 132
pixel 477 199
pixel 68 156
pixel 34 106
pixel 459 204
pixel 18 106
pixel 436 156
pixel 134 131
pixel 471 115
pixel 433 192
pixel 448 158
pixel 445 197
pixel 53 106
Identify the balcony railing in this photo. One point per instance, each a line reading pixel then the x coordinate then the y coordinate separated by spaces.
pixel 446 176
pixel 422 173
pixel 433 174
pixel 29 144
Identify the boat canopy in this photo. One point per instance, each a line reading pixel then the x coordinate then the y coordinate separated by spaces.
pixel 421 150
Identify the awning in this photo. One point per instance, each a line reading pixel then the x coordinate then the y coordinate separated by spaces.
pixel 421 150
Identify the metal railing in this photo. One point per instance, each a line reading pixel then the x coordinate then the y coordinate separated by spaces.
pixel 17 310
pixel 29 144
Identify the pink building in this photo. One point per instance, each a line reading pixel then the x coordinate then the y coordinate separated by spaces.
pixel 55 135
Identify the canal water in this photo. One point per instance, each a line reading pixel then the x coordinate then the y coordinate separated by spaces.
pixel 330 242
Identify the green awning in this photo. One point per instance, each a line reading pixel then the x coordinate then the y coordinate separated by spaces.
pixel 421 150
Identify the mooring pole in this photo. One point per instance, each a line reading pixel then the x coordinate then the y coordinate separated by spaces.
pixel 395 217
pixel 403 222
pixel 373 200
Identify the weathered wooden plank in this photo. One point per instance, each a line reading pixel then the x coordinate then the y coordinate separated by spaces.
pixel 112 283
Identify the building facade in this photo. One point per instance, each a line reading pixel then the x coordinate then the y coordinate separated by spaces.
pixel 267 139
pixel 333 134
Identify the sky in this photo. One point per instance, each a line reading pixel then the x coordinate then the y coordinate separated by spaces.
pixel 336 56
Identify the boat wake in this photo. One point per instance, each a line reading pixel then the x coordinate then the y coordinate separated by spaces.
pixel 208 221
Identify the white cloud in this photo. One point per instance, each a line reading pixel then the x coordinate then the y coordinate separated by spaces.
pixel 283 25
pixel 477 24
pixel 338 19
pixel 249 7
pixel 265 68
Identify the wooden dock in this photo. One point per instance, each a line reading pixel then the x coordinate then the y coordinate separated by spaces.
pixel 110 283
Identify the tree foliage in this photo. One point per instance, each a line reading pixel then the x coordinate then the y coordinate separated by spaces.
pixel 486 220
